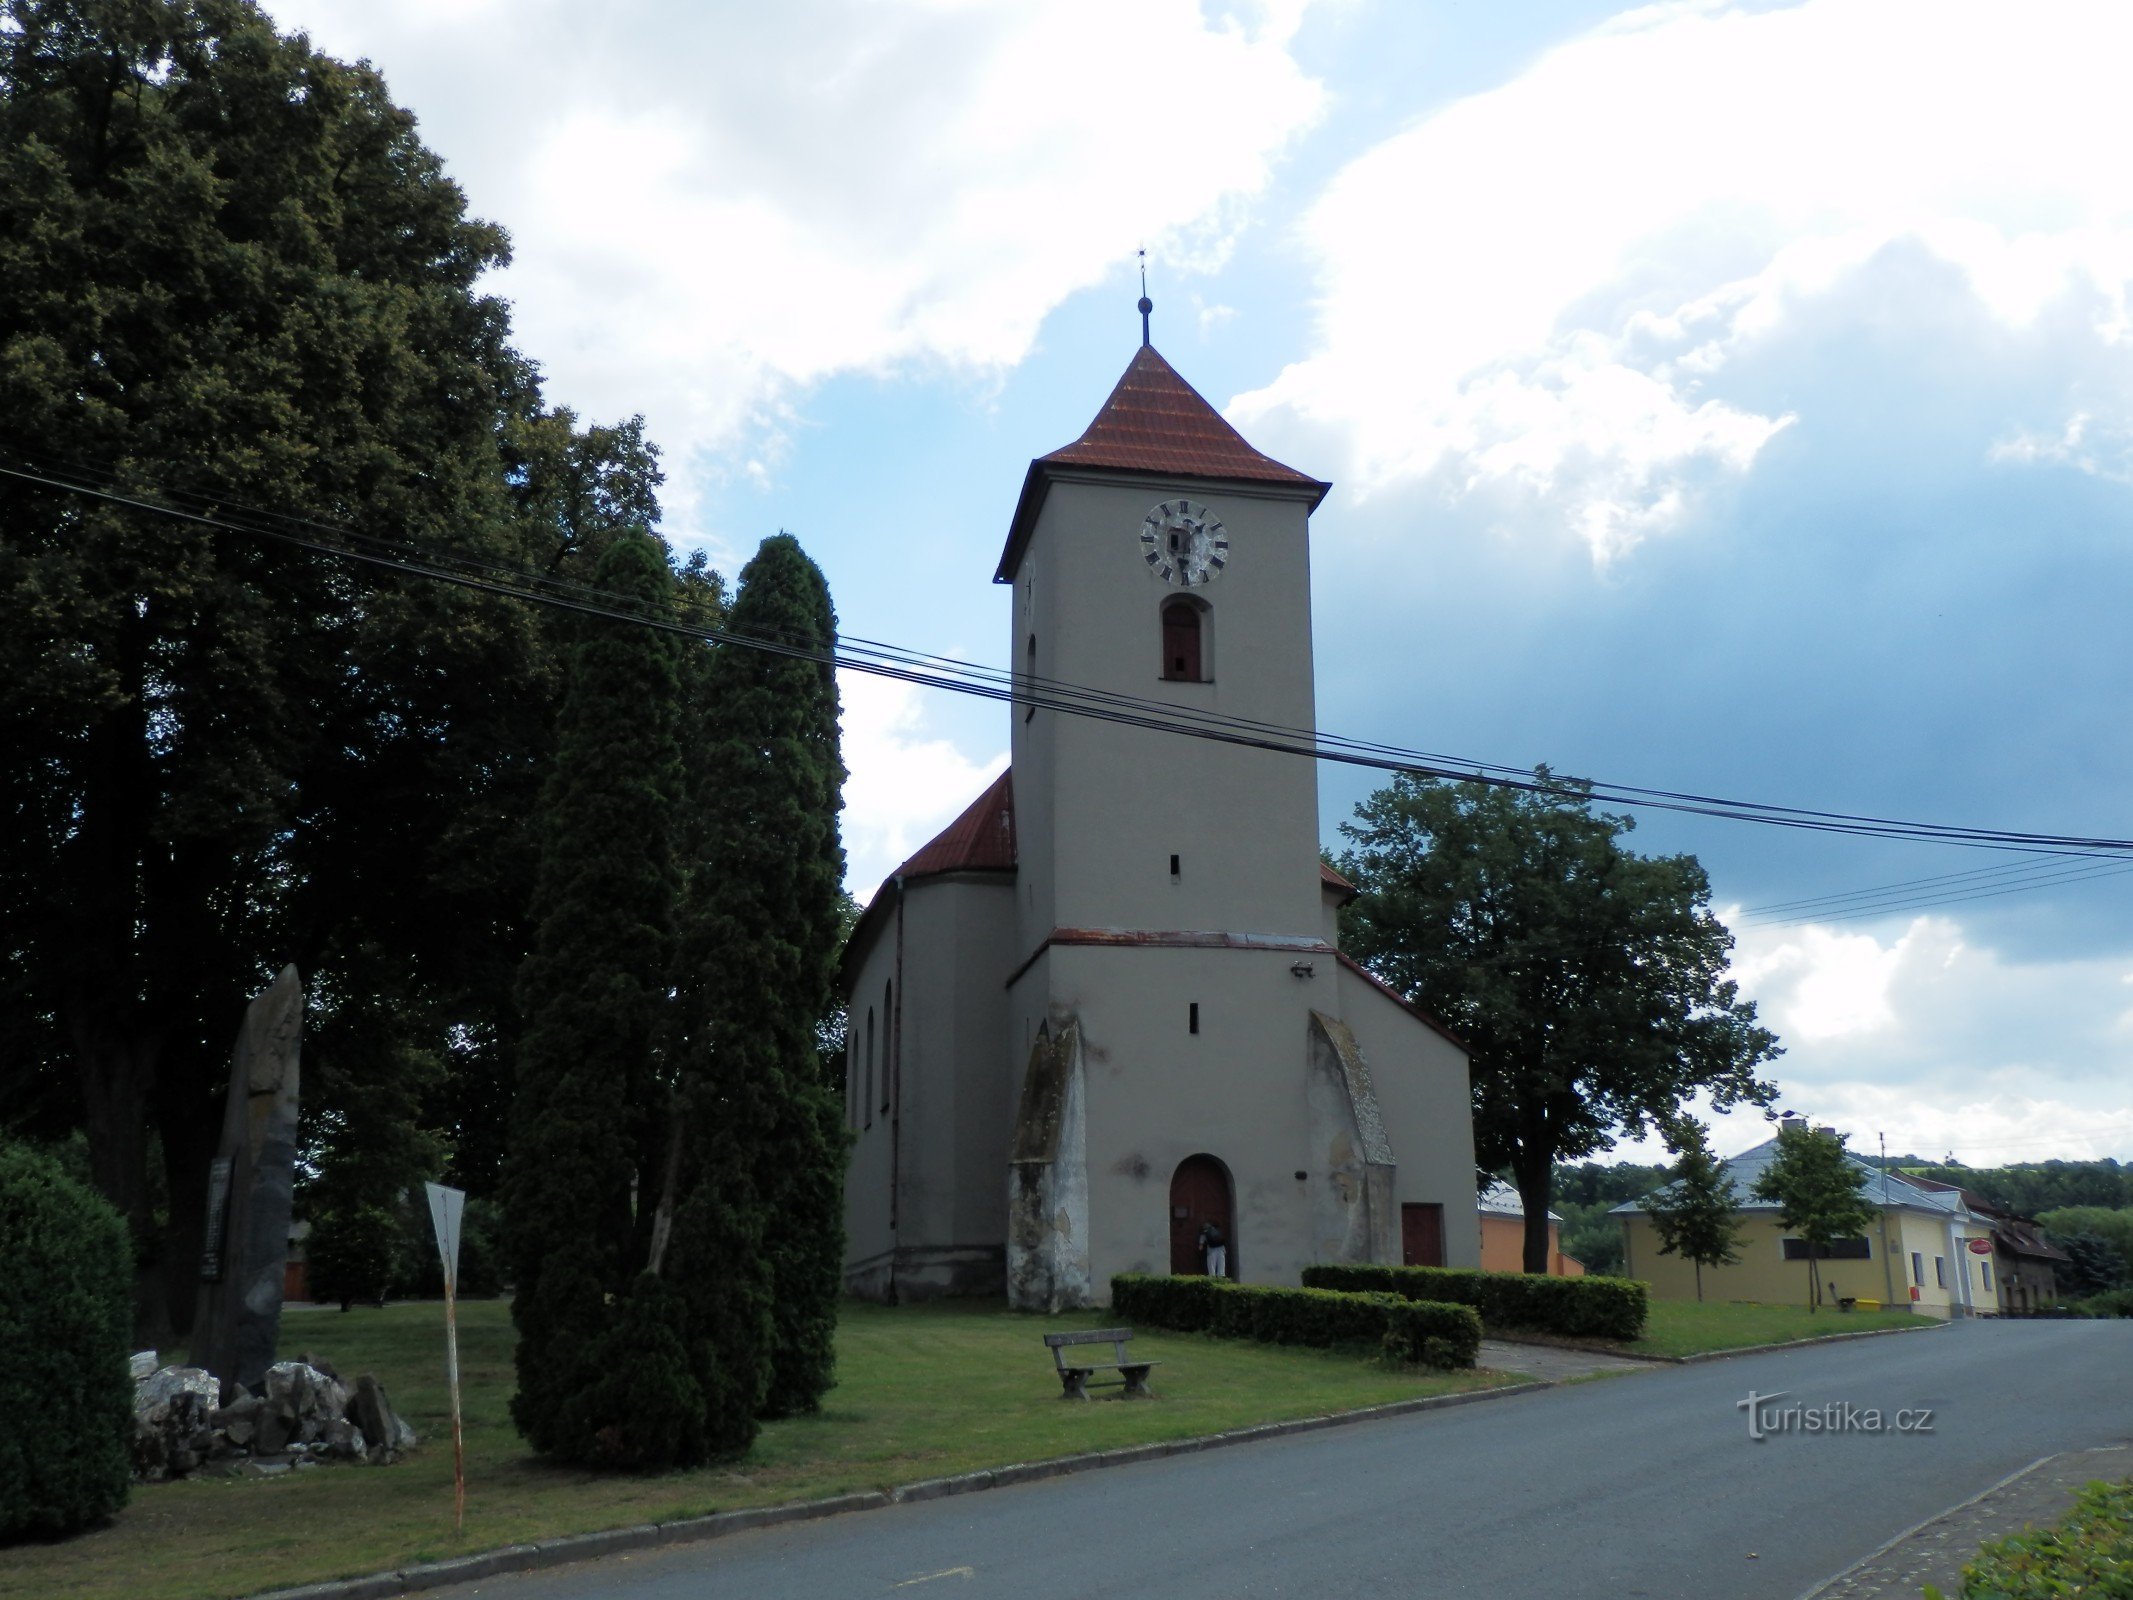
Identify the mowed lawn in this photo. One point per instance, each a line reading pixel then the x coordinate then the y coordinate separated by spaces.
pixel 923 1391
pixel 1689 1327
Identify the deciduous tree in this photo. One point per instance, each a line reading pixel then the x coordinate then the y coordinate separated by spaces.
pixel 1820 1193
pixel 1694 1214
pixel 1588 982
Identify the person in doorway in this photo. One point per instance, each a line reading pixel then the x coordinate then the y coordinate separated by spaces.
pixel 1214 1249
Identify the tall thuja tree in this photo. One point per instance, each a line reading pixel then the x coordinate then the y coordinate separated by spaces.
pixel 769 896
pixel 599 1362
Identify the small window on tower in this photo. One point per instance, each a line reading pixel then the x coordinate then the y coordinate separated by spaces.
pixel 1183 653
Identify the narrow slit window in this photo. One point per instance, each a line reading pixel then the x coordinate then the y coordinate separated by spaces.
pixel 1173 866
pixel 1181 642
pixel 888 993
pixel 1192 1017
pixel 867 1105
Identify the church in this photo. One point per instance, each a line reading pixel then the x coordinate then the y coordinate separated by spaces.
pixel 1106 1007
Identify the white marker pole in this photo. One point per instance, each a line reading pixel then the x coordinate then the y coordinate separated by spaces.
pixel 446 1207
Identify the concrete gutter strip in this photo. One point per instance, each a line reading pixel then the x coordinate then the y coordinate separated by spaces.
pixel 1798 1344
pixel 569 1548
pixel 1924 1325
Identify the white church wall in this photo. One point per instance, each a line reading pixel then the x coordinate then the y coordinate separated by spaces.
pixel 1423 1092
pixel 866 1178
pixel 1158 1093
pixel 958 1085
pixel 1124 800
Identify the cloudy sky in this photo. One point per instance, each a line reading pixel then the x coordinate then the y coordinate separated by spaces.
pixel 1734 398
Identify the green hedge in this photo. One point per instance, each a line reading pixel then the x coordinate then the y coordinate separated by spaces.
pixel 66 1308
pixel 1411 1331
pixel 1587 1308
pixel 2090 1552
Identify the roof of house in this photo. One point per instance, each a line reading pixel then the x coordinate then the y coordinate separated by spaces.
pixel 1157 425
pixel 1745 1168
pixel 2016 1234
pixel 1499 1199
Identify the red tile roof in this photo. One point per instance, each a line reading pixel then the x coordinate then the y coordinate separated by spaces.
pixel 982 839
pixel 1330 879
pixel 1157 422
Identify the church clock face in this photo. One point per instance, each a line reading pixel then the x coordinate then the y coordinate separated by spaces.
pixel 1184 543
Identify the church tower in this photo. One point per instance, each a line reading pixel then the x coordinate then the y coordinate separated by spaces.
pixel 1119 968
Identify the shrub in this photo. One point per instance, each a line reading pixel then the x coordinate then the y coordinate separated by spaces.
pixel 65 1316
pixel 1412 1331
pixel 1588 1308
pixel 354 1254
pixel 2089 1552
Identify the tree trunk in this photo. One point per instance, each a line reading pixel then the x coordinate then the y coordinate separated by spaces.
pixel 1536 1186
pixel 117 1069
pixel 1699 1283
pixel 1812 1287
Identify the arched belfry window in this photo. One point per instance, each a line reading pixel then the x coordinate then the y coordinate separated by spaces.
pixel 1185 641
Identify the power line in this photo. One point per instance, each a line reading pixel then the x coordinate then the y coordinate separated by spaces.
pixel 1896 906
pixel 959 677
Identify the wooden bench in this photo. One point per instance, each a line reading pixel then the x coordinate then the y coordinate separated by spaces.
pixel 1074 1380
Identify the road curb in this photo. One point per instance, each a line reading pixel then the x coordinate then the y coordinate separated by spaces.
pixel 1924 1326
pixel 568 1548
pixel 1873 1556
pixel 1803 1344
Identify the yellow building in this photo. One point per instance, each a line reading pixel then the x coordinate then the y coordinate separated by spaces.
pixel 1919 1251
pixel 1503 1234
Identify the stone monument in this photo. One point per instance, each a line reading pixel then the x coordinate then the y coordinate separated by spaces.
pixel 245 1243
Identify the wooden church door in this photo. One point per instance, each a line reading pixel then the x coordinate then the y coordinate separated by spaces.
pixel 1200 1194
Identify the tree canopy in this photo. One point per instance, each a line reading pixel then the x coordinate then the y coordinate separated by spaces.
pixel 1694 1213
pixel 1820 1193
pixel 233 279
pixel 1588 982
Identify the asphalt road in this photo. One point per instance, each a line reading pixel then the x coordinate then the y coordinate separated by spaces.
pixel 1646 1484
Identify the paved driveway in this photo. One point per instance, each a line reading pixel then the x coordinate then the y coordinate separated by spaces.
pixel 1644 1485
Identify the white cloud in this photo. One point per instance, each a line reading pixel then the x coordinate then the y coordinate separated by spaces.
pixel 1922 1033
pixel 2100 450
pixel 714 208
pixel 1537 290
pixel 905 786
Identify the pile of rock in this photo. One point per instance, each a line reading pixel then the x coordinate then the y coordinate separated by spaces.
pixel 183 1422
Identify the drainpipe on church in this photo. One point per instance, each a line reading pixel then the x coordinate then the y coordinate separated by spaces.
pixel 894 1066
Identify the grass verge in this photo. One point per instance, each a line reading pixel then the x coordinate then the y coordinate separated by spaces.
pixel 923 1392
pixel 1689 1327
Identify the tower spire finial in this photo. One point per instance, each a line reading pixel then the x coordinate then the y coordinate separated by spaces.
pixel 1147 305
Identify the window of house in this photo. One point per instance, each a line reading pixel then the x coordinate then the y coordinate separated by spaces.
pixel 1855 1248
pixel 1918 1269
pixel 887 991
pixel 1940 1271
pixel 868 1102
pixel 1984 1273
pixel 1183 652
